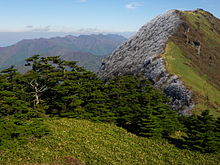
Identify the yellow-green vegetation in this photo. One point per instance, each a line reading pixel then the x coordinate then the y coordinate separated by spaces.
pixel 204 25
pixel 179 65
pixel 205 28
pixel 192 53
pixel 100 144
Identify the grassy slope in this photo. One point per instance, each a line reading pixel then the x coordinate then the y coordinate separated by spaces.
pixel 100 144
pixel 205 25
pixel 179 65
pixel 200 73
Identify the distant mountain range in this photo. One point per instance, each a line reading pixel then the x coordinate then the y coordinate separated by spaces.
pixel 11 38
pixel 88 50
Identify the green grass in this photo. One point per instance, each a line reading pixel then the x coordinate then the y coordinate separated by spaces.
pixel 205 25
pixel 179 65
pixel 100 144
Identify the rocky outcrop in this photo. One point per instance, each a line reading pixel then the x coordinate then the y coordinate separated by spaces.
pixel 142 54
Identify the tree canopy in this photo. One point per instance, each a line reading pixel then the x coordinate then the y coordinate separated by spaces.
pixel 57 88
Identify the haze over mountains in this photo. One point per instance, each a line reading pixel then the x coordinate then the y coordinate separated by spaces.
pixel 11 38
pixel 87 49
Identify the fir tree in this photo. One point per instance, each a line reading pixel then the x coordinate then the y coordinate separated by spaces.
pixel 202 132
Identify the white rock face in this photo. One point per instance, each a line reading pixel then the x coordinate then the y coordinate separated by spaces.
pixel 142 54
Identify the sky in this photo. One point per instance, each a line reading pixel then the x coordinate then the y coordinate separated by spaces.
pixel 85 16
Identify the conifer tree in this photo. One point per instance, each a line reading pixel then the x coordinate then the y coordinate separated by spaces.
pixel 202 132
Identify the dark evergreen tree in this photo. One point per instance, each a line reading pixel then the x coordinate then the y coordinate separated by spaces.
pixel 202 133
pixel 16 115
pixel 140 107
pixel 11 94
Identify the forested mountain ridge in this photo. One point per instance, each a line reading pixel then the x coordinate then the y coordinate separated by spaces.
pixel 179 52
pixel 87 49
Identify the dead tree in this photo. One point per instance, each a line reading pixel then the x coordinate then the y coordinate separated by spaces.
pixel 38 90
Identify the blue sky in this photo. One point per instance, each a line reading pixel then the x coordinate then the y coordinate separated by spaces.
pixel 89 15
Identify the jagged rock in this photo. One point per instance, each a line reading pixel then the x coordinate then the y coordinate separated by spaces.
pixel 142 54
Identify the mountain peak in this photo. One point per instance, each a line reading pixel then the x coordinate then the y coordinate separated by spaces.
pixel 168 47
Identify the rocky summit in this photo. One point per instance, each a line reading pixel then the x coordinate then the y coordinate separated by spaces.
pixel 176 51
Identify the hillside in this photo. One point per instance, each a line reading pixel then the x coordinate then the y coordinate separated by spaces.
pixel 43 113
pixel 87 49
pixel 179 52
pixel 195 50
pixel 98 144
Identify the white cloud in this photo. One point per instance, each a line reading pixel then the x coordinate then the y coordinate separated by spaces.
pixel 133 5
pixel 38 29
pixel 89 30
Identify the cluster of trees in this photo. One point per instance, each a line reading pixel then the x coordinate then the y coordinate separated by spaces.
pixel 54 87
pixel 202 132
